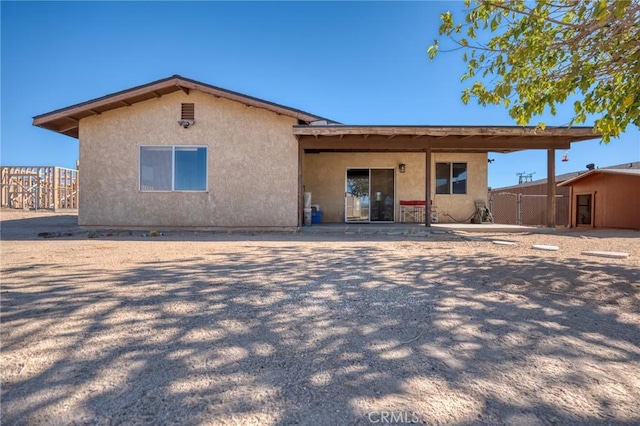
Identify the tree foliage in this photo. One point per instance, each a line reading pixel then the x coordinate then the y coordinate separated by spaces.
pixel 540 53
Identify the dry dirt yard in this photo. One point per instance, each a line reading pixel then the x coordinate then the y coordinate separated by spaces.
pixel 279 329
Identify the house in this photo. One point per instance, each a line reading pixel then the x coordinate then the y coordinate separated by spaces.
pixel 181 153
pixel 605 198
pixel 525 203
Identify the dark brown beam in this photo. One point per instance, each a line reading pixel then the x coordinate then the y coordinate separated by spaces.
pixel 66 127
pixel 504 143
pixel 404 143
pixel 184 89
pixel 460 131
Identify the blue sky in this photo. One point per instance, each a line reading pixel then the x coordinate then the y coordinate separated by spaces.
pixel 357 63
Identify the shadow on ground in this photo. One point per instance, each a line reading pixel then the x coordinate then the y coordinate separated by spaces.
pixel 299 334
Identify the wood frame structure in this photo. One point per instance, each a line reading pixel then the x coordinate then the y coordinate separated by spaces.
pixel 39 188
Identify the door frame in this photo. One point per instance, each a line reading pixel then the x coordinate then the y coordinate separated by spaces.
pixel 592 210
pixel 395 192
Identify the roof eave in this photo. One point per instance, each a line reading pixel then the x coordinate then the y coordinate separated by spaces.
pixel 486 139
pixel 598 171
pixel 582 132
pixel 71 115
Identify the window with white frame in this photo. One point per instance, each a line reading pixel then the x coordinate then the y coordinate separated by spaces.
pixel 451 178
pixel 173 168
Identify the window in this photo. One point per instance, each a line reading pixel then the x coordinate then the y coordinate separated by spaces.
pixel 173 168
pixel 451 178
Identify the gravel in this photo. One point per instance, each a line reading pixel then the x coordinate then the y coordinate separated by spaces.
pixel 320 330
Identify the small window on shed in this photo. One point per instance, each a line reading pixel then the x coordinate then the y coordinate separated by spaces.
pixel 188 112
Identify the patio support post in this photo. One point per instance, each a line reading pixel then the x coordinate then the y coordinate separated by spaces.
pixel 300 185
pixel 551 188
pixel 427 186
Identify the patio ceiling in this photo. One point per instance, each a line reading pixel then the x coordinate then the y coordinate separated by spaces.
pixel 343 138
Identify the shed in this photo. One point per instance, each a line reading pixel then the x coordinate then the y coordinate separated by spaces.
pixel 605 198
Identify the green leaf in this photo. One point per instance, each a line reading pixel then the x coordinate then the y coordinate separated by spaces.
pixel 433 50
pixel 494 24
pixel 471 32
pixel 465 97
pixel 534 55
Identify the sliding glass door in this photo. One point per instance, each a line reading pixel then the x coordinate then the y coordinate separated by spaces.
pixel 370 195
pixel 357 195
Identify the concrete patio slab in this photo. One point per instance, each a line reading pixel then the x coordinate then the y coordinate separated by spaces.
pixel 609 254
pixel 504 243
pixel 412 228
pixel 545 247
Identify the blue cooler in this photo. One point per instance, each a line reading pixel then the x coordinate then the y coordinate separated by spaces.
pixel 316 216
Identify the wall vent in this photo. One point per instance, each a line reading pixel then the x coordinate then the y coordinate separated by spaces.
pixel 188 112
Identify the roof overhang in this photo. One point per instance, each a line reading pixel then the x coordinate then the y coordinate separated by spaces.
pixel 343 138
pixel 66 120
pixel 623 172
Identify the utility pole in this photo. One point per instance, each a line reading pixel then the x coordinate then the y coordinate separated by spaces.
pixel 525 177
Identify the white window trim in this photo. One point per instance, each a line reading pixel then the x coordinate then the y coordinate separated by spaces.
pixel 173 168
pixel 451 163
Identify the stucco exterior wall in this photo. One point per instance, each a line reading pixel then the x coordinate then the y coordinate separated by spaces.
pixel 325 178
pixel 252 165
pixel 615 198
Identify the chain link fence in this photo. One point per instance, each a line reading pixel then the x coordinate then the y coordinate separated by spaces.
pixel 523 209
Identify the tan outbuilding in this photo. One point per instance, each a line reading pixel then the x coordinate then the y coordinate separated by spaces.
pixel 180 153
pixel 605 198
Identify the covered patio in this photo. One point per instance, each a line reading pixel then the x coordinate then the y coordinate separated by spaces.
pixel 430 141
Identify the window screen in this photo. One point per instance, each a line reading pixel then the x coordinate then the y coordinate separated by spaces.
pixel 155 168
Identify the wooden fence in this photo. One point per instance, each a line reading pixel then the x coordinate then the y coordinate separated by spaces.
pixel 39 187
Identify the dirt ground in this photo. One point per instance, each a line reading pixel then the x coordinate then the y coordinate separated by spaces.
pixel 280 329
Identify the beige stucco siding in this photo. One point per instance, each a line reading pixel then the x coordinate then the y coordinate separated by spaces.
pixel 325 175
pixel 252 165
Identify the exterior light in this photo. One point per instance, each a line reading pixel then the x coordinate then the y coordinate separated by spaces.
pixel 402 167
